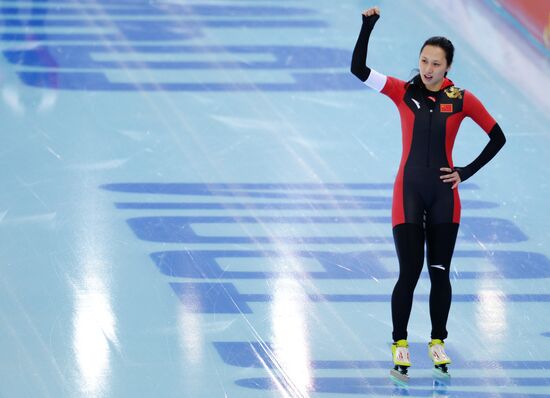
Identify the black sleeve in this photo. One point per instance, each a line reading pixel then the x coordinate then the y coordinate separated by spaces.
pixel 496 142
pixel 359 59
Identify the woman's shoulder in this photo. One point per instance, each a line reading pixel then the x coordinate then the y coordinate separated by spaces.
pixel 394 88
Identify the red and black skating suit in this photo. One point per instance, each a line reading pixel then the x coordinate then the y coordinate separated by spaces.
pixel 425 209
pixel 430 122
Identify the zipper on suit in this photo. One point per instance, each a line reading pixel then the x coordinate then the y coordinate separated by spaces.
pixel 429 138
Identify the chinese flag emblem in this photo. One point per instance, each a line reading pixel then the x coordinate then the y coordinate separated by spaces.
pixel 446 108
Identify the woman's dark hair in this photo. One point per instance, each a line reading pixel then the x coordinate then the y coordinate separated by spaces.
pixel 438 41
pixel 443 43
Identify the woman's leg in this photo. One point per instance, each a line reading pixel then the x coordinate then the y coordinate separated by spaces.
pixel 440 242
pixel 409 244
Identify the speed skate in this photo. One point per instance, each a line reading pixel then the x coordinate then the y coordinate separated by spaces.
pixel 436 351
pixel 401 361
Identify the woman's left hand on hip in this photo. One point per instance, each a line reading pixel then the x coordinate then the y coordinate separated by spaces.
pixel 453 176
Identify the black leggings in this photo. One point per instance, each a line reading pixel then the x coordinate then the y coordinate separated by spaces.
pixel 409 242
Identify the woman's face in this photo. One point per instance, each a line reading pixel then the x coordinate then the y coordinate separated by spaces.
pixel 432 65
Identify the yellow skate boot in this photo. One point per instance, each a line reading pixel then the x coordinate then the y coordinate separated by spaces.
pixel 436 350
pixel 401 361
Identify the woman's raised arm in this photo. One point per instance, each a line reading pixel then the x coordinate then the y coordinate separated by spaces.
pixel 359 59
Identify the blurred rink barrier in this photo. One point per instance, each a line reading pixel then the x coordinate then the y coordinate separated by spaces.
pixel 534 17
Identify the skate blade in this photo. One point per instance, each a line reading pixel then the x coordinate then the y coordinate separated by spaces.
pixel 399 378
pixel 441 374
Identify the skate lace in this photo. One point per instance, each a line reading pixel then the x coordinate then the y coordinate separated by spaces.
pixel 438 352
pixel 402 354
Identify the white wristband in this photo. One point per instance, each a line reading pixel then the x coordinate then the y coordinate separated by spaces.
pixel 376 80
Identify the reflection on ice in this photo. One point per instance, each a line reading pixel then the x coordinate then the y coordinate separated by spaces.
pixel 94 322
pixel 491 315
pixel 290 338
pixel 191 336
pixel 94 327
pixel 12 100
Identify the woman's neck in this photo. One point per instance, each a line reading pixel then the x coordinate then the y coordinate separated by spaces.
pixel 435 87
